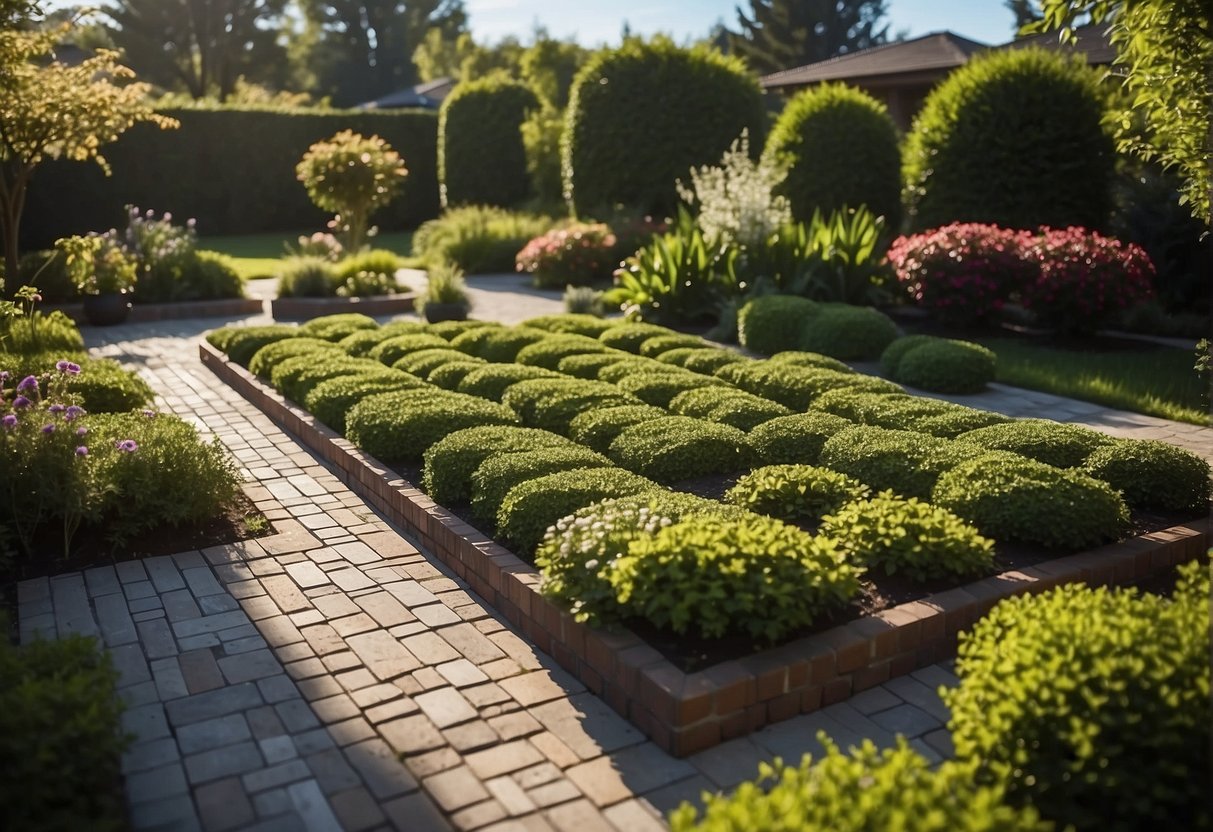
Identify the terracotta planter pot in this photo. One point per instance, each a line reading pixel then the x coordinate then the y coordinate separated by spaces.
pixel 106 309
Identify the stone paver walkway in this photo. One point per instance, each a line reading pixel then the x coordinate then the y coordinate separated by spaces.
pixel 332 676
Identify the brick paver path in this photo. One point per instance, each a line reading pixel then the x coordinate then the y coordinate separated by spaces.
pixel 332 676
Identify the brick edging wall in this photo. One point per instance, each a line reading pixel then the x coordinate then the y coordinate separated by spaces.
pixel 148 312
pixel 302 309
pixel 688 712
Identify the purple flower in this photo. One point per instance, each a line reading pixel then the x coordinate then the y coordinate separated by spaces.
pixel 81 450
pixel 81 431
pixel 74 411
pixel 127 446
pixel 28 383
pixel 20 402
pixel 9 421
pixel 57 408
pixel 4 374
pixel 48 428
pixel 149 414
pixel 69 367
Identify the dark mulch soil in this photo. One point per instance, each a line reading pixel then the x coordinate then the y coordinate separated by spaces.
pixel 90 548
pixel 880 592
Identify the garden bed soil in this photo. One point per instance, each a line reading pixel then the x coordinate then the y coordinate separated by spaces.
pixel 304 309
pixel 684 712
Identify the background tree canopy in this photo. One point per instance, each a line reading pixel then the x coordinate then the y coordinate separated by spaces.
pixel 781 34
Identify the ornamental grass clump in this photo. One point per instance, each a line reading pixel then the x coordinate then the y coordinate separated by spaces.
pixel 1092 705
pixel 801 494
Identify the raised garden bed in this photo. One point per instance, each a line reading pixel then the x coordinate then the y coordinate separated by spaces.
pixel 145 312
pixel 685 712
pixel 304 309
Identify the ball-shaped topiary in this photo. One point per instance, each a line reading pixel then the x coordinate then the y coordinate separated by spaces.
pixel 848 332
pixel 677 448
pixel 642 115
pixel 450 462
pixel 1014 137
pixel 839 147
pixel 1152 474
pixel 795 439
pixel 774 323
pixel 945 365
pixel 481 158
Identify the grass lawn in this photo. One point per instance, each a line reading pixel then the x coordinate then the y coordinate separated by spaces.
pixel 257 255
pixel 1155 381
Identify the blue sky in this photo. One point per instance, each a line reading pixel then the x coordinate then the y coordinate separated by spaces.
pixel 598 21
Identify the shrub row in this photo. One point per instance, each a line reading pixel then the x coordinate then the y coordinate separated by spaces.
pixel 401 426
pixel 778 323
pixel 675 448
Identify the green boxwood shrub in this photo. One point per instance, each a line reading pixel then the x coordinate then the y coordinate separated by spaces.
pixel 800 358
pixel 990 138
pixel 630 337
pixel 336 327
pixel 497 344
pixel 296 377
pixel 172 478
pixel 677 448
pixel 307 276
pixel 750 576
pixel 368 273
pixel 531 507
pixel 617 371
pixel 391 350
pixel 658 389
pixel 451 461
pixel 450 330
pixel 909 537
pixel 1152 474
pixel 552 404
pixel 891 357
pixel 399 427
pixel 481 159
pixel 589 364
pixel 861 791
pixel 795 439
pixel 858 333
pixel 728 406
pixel 548 352
pixel 330 400
pixel 901 461
pixel 707 361
pixel 271 355
pixel 60 698
pixel 623 144
pixel 867 408
pixel 361 342
pixel 655 346
pixel 1112 737
pixel 598 428
pixel 450 375
pixel 956 421
pixel 840 148
pixel 797 387
pixel 1066 446
pixel 774 323
pixel 572 323
pixel 795 493
pixel 492 380
pixel 498 474
pixel 1012 498
pixel 944 365
pixel 242 342
pixel 423 362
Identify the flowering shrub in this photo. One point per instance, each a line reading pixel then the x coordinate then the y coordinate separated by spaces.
pixel 98 264
pixel 320 244
pixel 165 252
pixel 575 255
pixel 963 272
pixel 1085 278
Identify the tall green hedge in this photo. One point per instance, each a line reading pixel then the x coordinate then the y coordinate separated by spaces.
pixel 481 157
pixel 231 169
pixel 1015 139
pixel 642 115
pixel 840 147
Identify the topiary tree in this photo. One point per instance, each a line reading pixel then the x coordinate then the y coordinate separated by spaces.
pixel 642 115
pixel 352 176
pixel 839 147
pixel 1013 138
pixel 481 157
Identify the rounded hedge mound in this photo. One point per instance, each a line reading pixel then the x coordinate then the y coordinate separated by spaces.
pixel 774 323
pixel 295 377
pixel 658 389
pixel 795 493
pixel 1054 443
pixel 492 380
pixel 549 352
pixel 401 426
pixel 678 448
pixel 423 362
pixel 944 365
pixel 481 158
pixel 1152 474
pixel 451 461
pixel 330 400
pixel 1113 736
pixel 450 330
pixel 572 323
pixel 795 439
pixel 1012 498
pixel 617 371
pixel 598 428
pixel 391 350
pixel 450 375
pixel 991 138
pixel 641 116
pixel 901 461
pixel 706 361
pixel 360 342
pixel 629 337
pixel 858 333
pixel 497 344
pixel 271 355
pixel 336 327
pixel 732 407
pixel 840 148
pixel 909 537
pixel 800 358
pixel 588 365
pixel 498 474
pixel 658 344
pixel 242 342
pixel 552 404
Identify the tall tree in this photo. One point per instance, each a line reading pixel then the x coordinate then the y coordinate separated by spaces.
pixel 781 34
pixel 201 46
pixel 368 45
pixel 1026 12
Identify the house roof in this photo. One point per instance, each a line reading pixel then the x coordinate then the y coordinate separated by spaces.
pixel 1091 41
pixel 428 95
pixel 935 51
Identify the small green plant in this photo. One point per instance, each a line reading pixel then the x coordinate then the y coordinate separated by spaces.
pixel 352 176
pixel 307 277
pixel 795 493
pixel 445 286
pixel 98 264
pixel 479 239
pixel 367 273
pixel 584 300
pixel 678 448
pixel 942 365
pixel 795 439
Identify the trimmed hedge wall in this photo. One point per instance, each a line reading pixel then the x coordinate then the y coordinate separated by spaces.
pixel 231 169
pixel 481 160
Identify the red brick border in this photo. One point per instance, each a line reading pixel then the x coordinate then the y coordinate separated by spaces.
pixel 147 312
pixel 303 309
pixel 688 712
